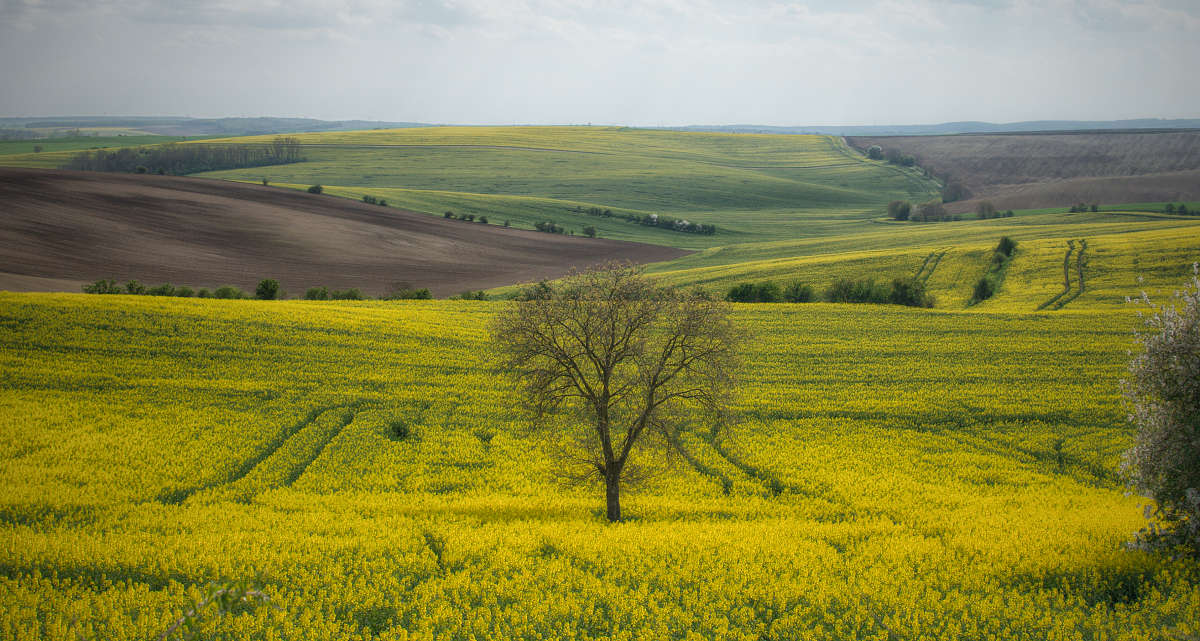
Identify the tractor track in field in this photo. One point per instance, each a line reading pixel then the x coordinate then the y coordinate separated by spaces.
pixel 1080 262
pixel 248 466
pixel 930 263
pixel 1066 277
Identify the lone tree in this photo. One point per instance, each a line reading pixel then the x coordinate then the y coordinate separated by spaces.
pixel 618 364
pixel 1163 396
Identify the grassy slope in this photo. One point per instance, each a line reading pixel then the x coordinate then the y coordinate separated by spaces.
pixel 56 151
pixel 753 188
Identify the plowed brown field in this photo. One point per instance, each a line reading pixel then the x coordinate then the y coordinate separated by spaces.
pixel 60 229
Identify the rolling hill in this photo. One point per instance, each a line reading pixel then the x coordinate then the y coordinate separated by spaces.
pixel 1025 171
pixel 60 229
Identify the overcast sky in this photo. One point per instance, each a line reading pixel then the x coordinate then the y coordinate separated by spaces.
pixel 657 62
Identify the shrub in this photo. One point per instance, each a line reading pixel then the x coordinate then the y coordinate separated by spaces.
pixel 316 189
pixel 910 292
pixel 405 293
pixel 1183 209
pixel 984 289
pixel 875 152
pixel 470 295
pixel 166 289
pixel 507 223
pixel 370 200
pixel 483 219
pixel 267 289
pixel 399 430
pixel 1170 208
pixel 985 209
pixel 382 202
pixel 346 294
pixel 1162 394
pixel 1006 246
pixel 102 286
pixel 798 292
pixel 845 290
pixel 468 217
pixel 767 292
pixel 1008 214
pixel 316 293
pixel 228 292
pixel 203 293
pixel 549 227
pixel 183 291
pixel 449 215
pixel 264 182
pixel 899 209
pixel 134 287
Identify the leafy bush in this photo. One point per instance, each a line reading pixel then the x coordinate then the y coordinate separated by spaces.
pixel 405 293
pixel 184 291
pixel 134 287
pixel 448 215
pixel 910 292
pixel 483 219
pixel 1163 397
pixel 875 152
pixel 549 227
pixel 316 293
pixel 347 294
pixel 102 286
pixel 845 290
pixel 316 189
pixel 268 289
pixel 228 292
pixel 767 292
pixel 470 295
pixel 798 292
pixel 1006 246
pixel 589 231
pixel 166 289
pixel 899 209
pixel 203 293
pixel 984 289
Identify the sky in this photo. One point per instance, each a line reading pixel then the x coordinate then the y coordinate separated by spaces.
pixel 649 63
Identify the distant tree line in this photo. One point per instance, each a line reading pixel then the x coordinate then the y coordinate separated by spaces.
pixel 902 291
pixel 267 289
pixel 953 189
pixel 985 210
pixel 176 159
pixel 1079 208
pixel 1171 208
pixel 932 211
pixel 653 220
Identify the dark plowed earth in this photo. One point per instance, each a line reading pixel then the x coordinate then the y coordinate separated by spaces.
pixel 59 229
pixel 1025 171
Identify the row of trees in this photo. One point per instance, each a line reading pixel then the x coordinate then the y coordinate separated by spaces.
pixel 267 289
pixel 927 212
pixel 653 220
pixel 987 284
pixel 985 209
pixel 180 159
pixel 1181 209
pixel 137 288
pixel 902 291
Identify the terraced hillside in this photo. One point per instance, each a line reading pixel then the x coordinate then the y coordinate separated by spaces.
pixel 892 473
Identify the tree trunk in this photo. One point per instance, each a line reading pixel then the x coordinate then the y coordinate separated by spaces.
pixel 612 491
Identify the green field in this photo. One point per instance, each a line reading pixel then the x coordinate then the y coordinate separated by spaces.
pixel 753 188
pixel 57 151
pixel 893 473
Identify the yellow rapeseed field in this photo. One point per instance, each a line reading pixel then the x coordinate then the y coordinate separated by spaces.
pixel 893 474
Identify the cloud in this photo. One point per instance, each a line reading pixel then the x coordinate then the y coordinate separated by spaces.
pixel 636 62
